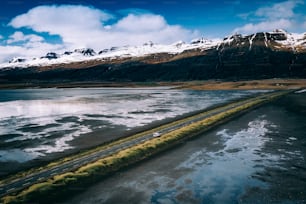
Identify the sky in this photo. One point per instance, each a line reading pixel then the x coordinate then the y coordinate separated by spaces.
pixel 33 28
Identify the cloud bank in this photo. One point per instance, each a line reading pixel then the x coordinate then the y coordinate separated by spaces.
pixel 82 26
pixel 279 15
pixel 20 37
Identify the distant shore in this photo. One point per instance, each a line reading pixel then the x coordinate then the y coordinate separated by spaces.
pixel 268 84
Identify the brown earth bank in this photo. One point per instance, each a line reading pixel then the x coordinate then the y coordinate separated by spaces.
pixel 274 84
pixel 269 84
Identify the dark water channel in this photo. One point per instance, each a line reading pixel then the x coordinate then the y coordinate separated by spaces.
pixel 256 158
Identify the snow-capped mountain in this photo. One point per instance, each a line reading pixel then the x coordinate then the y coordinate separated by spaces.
pixel 278 39
pixel 87 54
pixel 260 55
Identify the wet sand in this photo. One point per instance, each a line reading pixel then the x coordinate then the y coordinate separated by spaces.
pixel 256 158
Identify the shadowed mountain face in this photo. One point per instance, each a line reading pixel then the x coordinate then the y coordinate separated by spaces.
pixel 258 56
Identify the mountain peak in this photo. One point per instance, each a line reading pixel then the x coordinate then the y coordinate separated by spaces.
pixel 280 31
pixel 200 40
pixel 150 43
pixel 86 51
pixel 17 60
pixel 50 55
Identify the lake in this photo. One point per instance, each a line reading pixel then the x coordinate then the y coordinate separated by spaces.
pixel 38 125
pixel 257 158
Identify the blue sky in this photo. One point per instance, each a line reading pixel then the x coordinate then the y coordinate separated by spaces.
pixel 37 26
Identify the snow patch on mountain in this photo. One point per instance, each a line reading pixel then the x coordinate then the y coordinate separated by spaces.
pixel 251 41
pixel 266 39
pixel 292 40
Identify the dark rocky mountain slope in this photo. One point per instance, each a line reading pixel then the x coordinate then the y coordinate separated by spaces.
pixel 258 56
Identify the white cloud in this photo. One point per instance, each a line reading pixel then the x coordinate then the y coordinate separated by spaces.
pixel 75 24
pixel 279 15
pixel 20 37
pixel 265 26
pixel 81 26
pixel 28 46
pixel 278 10
pixel 55 19
pixel 137 29
pixel 141 23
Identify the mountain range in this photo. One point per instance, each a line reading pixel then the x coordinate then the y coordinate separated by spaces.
pixel 276 54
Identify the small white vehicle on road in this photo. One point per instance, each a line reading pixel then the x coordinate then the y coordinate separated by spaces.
pixel 156 134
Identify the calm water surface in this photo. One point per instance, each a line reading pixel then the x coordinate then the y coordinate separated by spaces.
pixel 256 158
pixel 35 123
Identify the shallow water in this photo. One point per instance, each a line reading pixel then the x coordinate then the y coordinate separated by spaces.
pixel 35 123
pixel 256 158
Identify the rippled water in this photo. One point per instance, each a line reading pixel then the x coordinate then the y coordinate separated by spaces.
pixel 256 158
pixel 37 122
pixel 229 167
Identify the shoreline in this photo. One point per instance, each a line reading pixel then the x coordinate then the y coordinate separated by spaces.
pixel 132 155
pixel 268 84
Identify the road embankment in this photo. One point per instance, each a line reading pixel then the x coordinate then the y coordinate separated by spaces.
pixel 61 185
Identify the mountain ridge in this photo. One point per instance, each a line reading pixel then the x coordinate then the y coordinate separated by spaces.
pixel 260 55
